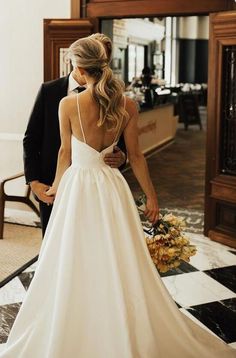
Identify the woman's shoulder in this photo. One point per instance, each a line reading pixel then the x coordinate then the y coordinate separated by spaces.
pixel 68 101
pixel 67 105
pixel 131 106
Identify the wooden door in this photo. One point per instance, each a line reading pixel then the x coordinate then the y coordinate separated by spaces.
pixel 58 35
pixel 220 198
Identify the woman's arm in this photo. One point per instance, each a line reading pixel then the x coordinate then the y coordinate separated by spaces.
pixel 64 154
pixel 138 163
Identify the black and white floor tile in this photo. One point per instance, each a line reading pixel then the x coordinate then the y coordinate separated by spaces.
pixel 204 289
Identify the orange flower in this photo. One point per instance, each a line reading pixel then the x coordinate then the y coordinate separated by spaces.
pixel 168 245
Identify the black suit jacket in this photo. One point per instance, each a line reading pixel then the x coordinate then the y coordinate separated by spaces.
pixel 42 137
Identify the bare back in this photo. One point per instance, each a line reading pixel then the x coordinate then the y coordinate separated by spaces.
pixel 83 112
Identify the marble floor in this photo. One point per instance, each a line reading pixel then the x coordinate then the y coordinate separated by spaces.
pixel 204 289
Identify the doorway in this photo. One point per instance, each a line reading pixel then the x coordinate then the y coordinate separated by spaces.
pixel 174 53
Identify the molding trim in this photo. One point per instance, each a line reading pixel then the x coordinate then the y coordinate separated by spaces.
pixel 222 238
pixel 75 12
pixel 135 8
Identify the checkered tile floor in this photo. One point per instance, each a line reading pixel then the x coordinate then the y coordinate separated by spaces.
pixel 205 290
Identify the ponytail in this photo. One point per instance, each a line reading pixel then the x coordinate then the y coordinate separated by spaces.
pixel 91 54
pixel 108 92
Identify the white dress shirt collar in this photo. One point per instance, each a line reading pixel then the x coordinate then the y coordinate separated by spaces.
pixel 72 85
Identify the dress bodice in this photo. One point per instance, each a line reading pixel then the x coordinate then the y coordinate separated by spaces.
pixel 84 156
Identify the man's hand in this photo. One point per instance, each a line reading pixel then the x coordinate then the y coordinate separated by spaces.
pixel 51 192
pixel 39 189
pixel 115 159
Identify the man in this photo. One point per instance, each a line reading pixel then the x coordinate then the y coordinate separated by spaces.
pixel 42 140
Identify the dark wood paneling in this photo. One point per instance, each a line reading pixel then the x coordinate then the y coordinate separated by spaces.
pixel 220 237
pixel 60 33
pixel 131 8
pixel 220 188
pixel 226 218
pixel 223 191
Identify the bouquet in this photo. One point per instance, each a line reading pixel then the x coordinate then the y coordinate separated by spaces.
pixel 167 243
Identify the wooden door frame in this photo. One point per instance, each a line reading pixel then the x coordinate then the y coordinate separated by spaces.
pixel 103 9
pixel 220 188
pixel 59 33
pixel 135 8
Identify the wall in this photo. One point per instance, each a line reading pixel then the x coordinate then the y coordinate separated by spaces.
pixel 21 61
pixel 21 71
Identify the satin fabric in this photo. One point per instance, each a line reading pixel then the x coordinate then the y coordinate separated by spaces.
pixel 96 292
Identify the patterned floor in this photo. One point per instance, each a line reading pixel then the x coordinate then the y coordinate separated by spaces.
pixel 205 290
pixel 178 171
pixel 194 220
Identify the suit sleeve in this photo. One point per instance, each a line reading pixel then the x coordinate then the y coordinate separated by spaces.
pixel 121 145
pixel 33 139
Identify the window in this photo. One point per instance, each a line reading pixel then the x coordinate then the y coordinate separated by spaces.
pixel 136 60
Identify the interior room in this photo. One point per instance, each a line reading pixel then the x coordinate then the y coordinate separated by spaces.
pixel 177 66
pixel 173 105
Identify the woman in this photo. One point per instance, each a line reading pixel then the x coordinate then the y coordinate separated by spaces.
pixel 96 292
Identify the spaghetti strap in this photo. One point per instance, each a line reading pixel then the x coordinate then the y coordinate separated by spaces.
pixel 118 131
pixel 80 121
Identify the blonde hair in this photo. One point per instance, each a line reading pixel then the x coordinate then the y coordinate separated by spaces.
pixel 106 42
pixel 93 54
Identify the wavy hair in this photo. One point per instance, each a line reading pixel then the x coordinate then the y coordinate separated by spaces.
pixel 93 54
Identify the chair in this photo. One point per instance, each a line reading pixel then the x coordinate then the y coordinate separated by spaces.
pixel 188 110
pixel 16 198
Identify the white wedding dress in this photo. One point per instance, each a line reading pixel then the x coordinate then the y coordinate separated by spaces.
pixel 96 292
